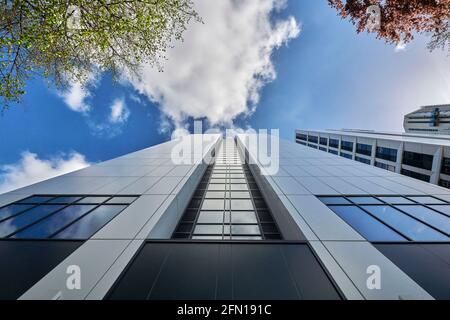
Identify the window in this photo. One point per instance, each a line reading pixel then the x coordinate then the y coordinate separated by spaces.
pixel 313 139
pixel 346 155
pixel 416 175
pixel 386 154
pixel 444 183
pixel 60 217
pixel 418 160
pixel 333 152
pixel 369 227
pixel 363 160
pixel 446 166
pixel 232 209
pixel 312 146
pixel 405 224
pixel 384 166
pixel 324 141
pixel 334 143
pixel 323 149
pixel 302 137
pixel 364 149
pixel 347 146
pixel 394 218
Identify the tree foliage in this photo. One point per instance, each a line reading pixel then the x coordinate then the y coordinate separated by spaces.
pixel 66 40
pixel 401 19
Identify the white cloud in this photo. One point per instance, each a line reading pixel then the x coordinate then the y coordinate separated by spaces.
pixel 401 46
pixel 222 65
pixel 31 169
pixel 119 111
pixel 75 97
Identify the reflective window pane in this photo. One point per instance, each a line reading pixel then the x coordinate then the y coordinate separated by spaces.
pixel 367 226
pixel 212 238
pixel 247 238
pixel 408 226
pixel 93 200
pixel 243 217
pixel 215 195
pixel 209 204
pixel 64 200
pixel 334 200
pixel 241 205
pixel 238 187
pixel 218 181
pixel 364 200
pixel 208 229
pixel 429 216
pixel 52 224
pixel 238 181
pixel 427 200
pixel 445 209
pixel 245 230
pixel 217 187
pixel 121 200
pixel 9 226
pixel 13 209
pixel 91 223
pixel 240 195
pixel 396 200
pixel 36 199
pixel 211 217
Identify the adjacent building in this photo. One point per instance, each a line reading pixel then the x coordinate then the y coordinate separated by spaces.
pixel 429 120
pixel 144 226
pixel 422 157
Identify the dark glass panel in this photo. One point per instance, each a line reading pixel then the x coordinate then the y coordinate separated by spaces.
pixel 418 160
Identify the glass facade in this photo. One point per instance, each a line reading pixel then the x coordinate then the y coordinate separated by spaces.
pixel 227 204
pixel 364 149
pixel 313 139
pixel 444 183
pixel 346 155
pixel 347 146
pixel 384 166
pixel 445 166
pixel 334 143
pixel 418 160
pixel 333 152
pixel 60 217
pixel 324 141
pixel 363 160
pixel 416 175
pixel 394 219
pixel 387 154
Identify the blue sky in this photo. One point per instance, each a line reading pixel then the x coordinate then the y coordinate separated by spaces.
pixel 326 77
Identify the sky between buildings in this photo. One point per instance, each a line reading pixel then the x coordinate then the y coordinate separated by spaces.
pixel 257 63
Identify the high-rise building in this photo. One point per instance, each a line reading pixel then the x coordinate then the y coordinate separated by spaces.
pixel 429 120
pixel 423 157
pixel 144 226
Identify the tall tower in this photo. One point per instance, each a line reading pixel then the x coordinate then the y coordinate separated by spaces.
pixel 147 226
